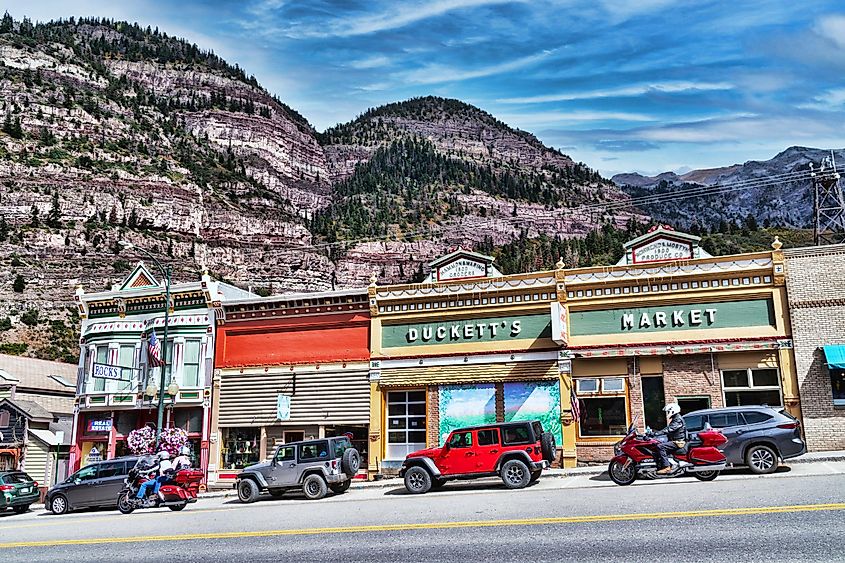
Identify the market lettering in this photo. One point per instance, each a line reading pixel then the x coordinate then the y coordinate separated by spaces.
pixel 466 331
pixel 664 319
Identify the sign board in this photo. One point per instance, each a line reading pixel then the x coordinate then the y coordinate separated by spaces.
pixel 462 269
pixel 99 425
pixel 560 326
pixel 60 437
pixel 661 250
pixel 282 407
pixel 106 371
pixel 486 329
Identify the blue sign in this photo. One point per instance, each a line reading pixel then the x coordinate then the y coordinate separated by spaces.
pixel 283 407
pixel 105 371
pixel 99 425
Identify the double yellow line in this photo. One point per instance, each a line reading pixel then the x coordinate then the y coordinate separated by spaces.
pixel 439 525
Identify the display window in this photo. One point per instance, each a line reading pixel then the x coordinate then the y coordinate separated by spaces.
pixel 753 386
pixel 241 447
pixel 603 406
pixel 406 426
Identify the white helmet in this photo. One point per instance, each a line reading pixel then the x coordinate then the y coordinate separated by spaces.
pixel 164 454
pixel 184 450
pixel 672 409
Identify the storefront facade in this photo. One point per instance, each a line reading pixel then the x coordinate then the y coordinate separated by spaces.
pixel 817 310
pixel 674 325
pixel 115 371
pixel 469 346
pixel 288 368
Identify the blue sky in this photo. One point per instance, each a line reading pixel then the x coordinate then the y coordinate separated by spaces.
pixel 647 85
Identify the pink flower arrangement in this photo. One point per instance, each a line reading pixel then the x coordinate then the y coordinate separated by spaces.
pixel 142 441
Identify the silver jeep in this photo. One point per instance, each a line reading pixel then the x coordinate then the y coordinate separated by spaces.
pixel 314 466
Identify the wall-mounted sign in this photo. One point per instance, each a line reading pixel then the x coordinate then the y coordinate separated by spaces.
pixel 488 329
pixel 662 249
pixel 698 316
pixel 560 325
pixel 99 425
pixel 462 269
pixel 106 371
pixel 283 407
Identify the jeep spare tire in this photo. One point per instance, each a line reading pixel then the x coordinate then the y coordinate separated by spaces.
pixel 350 463
pixel 548 446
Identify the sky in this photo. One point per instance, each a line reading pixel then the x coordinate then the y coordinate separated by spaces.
pixel 624 86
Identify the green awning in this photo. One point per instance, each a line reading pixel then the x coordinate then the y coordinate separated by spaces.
pixel 835 356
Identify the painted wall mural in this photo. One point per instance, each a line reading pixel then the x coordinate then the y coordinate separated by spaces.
pixel 466 405
pixel 535 401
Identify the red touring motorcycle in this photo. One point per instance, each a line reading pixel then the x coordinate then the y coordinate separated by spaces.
pixel 634 457
pixel 177 494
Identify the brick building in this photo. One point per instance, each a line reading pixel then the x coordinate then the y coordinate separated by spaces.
pixel 817 310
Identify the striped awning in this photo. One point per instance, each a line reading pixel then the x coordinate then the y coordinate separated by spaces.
pixel 835 356
pixel 472 373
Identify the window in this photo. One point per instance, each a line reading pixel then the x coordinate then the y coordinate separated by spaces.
pixel 313 450
pixel 240 447
pixel 405 423
pixel 340 445
pixel 488 437
pixel 5 416
pixel 837 384
pixel 724 420
pixel 755 417
pixel 461 440
pixel 86 473
pixel 285 453
pixel 127 421
pixel 189 420
pixel 603 413
pixel 516 435
pixel 116 469
pixel 191 365
pixel 751 387
pixel 694 423
pixel 126 359
pixel 100 357
pixel 16 478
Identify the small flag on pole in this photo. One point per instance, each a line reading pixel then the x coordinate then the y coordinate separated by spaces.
pixel 154 351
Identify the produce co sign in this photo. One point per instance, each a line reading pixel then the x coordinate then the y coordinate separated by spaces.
pixel 662 249
pixel 490 329
pixel 462 269
pixel 731 314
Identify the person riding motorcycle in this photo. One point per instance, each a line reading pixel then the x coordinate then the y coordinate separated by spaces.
pixel 183 461
pixel 163 467
pixel 676 435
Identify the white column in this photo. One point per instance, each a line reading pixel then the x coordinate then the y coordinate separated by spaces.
pixel 178 362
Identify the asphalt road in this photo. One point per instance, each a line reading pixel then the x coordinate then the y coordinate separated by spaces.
pixel 796 515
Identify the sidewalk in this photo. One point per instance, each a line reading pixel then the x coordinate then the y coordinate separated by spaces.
pixel 814 457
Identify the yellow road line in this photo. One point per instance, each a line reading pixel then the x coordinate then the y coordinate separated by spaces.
pixel 439 525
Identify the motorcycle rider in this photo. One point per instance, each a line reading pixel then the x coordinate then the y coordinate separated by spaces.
pixel 183 461
pixel 162 466
pixel 676 435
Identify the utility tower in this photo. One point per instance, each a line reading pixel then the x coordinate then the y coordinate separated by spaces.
pixel 828 203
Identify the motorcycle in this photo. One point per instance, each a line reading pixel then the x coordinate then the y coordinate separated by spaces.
pixel 175 495
pixel 700 457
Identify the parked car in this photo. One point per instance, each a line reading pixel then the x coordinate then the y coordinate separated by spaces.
pixel 17 491
pixel 758 436
pixel 312 466
pixel 95 485
pixel 515 451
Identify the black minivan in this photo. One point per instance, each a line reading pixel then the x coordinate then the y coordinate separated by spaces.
pixel 95 485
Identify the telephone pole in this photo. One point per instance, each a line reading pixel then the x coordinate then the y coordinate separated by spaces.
pixel 828 203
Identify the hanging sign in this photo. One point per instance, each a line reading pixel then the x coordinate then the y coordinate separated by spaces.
pixel 106 371
pixel 282 407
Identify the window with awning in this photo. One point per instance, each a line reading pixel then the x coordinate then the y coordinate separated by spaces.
pixel 835 359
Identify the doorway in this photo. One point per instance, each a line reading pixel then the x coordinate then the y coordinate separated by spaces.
pixel 293 436
pixel 689 404
pixel 653 402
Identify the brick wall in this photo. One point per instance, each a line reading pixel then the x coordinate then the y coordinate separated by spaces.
pixel 692 375
pixel 433 416
pixel 815 281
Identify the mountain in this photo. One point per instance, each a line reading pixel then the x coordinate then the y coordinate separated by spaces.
pixel 111 131
pixel 776 191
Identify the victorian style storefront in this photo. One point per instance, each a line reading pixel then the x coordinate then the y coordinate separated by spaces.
pixel 114 372
pixel 288 368
pixel 671 323
pixel 469 346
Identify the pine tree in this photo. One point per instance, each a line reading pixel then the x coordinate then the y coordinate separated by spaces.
pixel 34 221
pixel 54 217
pixel 6 24
pixel 4 229
pixel 19 285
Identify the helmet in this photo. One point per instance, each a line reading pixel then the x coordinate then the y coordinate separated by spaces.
pixel 184 450
pixel 164 454
pixel 672 409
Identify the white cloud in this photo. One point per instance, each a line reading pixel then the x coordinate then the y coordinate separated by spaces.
pixel 370 62
pixel 559 117
pixel 832 28
pixel 625 91
pixel 435 73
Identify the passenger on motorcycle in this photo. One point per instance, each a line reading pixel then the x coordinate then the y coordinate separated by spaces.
pixel 183 461
pixel 676 435
pixel 163 466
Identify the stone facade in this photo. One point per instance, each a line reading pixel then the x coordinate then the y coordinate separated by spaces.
pixel 817 309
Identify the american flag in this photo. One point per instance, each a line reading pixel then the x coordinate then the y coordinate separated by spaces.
pixel 576 409
pixel 154 351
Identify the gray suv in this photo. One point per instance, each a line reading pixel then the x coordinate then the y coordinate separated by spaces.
pixel 313 466
pixel 758 436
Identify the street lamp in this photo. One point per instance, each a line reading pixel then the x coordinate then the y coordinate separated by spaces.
pixel 166 273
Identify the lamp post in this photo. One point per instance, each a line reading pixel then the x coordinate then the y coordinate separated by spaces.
pixel 166 274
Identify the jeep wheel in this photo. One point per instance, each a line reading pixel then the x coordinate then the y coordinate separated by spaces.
pixel 515 474
pixel 350 463
pixel 247 491
pixel 417 480
pixel 314 487
pixel 548 446
pixel 340 488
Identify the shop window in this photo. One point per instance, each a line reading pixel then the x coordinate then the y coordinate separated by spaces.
pixel 488 437
pixel 127 421
pixel 605 412
pixel 189 420
pixel 240 447
pixel 837 384
pixel 191 364
pixel 406 427
pixel 751 387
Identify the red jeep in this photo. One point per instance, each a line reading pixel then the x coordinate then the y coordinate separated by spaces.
pixel 516 451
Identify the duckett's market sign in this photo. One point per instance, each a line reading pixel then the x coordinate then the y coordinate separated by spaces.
pixel 698 316
pixel 489 329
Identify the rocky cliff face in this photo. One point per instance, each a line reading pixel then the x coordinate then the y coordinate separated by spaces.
pixel 113 132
